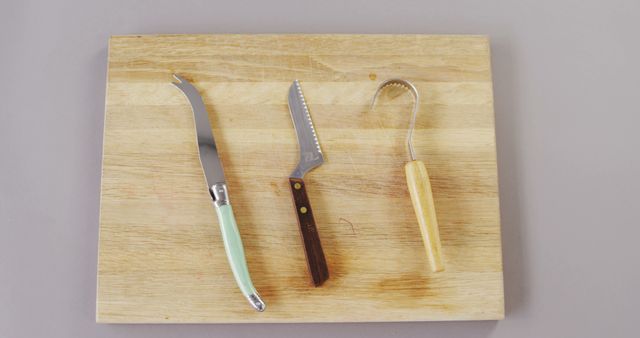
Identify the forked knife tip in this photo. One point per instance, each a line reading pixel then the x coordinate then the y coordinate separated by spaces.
pixel 179 78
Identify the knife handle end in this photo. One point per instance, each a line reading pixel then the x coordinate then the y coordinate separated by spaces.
pixel 422 199
pixel 235 254
pixel 316 261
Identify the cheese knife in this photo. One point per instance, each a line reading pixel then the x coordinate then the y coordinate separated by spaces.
pixel 216 183
pixel 310 158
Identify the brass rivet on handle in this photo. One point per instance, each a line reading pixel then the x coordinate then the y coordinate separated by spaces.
pixel 303 210
pixel 297 186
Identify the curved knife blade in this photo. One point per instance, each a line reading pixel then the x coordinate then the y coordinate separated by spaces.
pixel 310 152
pixel 206 143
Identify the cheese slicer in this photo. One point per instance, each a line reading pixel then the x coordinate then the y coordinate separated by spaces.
pixel 418 182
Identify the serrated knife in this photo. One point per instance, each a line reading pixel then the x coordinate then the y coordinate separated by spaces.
pixel 214 177
pixel 310 157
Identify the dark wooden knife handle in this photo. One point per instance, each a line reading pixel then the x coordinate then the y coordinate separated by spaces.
pixel 312 247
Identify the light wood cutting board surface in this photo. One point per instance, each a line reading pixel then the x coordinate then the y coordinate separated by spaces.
pixel 161 258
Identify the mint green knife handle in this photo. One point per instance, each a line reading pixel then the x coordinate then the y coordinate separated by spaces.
pixel 235 254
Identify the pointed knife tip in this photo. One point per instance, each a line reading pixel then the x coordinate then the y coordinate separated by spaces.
pixel 295 86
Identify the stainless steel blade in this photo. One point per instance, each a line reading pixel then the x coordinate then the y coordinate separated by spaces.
pixel 310 152
pixel 206 143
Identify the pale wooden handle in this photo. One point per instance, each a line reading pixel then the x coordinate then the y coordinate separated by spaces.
pixel 422 198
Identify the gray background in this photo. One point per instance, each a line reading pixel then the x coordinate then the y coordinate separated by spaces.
pixel 566 99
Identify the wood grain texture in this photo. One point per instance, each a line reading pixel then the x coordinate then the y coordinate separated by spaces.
pixel 161 258
pixel 422 199
pixel 316 261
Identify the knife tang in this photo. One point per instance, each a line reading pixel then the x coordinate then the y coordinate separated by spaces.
pixel 313 248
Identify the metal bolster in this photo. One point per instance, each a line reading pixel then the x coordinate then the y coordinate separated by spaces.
pixel 219 194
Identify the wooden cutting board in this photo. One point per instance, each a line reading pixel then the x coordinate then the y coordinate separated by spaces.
pixel 161 258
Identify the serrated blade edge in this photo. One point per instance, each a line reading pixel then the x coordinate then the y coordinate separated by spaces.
pixel 310 151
